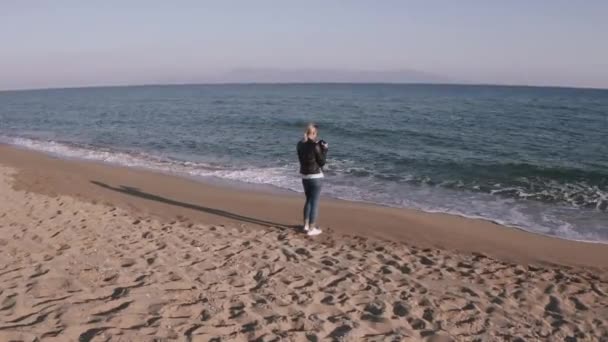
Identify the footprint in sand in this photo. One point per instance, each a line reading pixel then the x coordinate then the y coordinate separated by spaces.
pixel 374 311
pixel 127 262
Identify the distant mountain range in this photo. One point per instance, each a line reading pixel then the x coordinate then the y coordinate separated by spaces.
pixel 269 75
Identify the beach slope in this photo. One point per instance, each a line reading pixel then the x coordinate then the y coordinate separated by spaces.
pixel 94 252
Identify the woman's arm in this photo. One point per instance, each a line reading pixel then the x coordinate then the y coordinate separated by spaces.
pixel 320 155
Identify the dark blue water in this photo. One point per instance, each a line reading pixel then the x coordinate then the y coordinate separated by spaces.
pixel 535 158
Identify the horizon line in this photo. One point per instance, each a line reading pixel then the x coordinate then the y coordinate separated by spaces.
pixel 506 85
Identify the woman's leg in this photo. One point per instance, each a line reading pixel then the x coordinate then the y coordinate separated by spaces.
pixel 307 206
pixel 315 194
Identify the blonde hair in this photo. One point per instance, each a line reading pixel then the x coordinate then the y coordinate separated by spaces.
pixel 311 129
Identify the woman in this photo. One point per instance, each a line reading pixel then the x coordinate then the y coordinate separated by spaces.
pixel 312 159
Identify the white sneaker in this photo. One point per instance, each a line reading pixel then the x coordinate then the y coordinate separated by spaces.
pixel 314 231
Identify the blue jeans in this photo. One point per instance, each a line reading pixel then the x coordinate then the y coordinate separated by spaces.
pixel 312 189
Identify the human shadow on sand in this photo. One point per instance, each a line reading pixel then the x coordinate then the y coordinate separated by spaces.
pixel 138 193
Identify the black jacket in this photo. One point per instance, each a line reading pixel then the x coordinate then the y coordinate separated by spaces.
pixel 311 156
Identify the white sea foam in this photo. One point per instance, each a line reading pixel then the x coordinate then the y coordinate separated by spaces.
pixel 533 216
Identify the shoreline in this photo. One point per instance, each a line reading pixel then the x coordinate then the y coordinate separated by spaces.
pixel 245 185
pixel 168 195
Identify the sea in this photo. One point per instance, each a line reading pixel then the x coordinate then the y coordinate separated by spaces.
pixel 533 158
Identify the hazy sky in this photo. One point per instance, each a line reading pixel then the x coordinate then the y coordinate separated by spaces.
pixel 71 43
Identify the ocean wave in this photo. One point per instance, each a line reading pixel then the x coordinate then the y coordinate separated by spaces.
pixel 107 155
pixel 570 186
pixel 557 185
pixel 285 177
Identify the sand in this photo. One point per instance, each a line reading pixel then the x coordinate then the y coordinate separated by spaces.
pixel 90 252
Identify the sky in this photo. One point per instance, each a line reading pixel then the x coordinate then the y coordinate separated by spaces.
pixel 65 43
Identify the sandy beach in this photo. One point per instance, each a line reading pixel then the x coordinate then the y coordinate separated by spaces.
pixel 92 252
